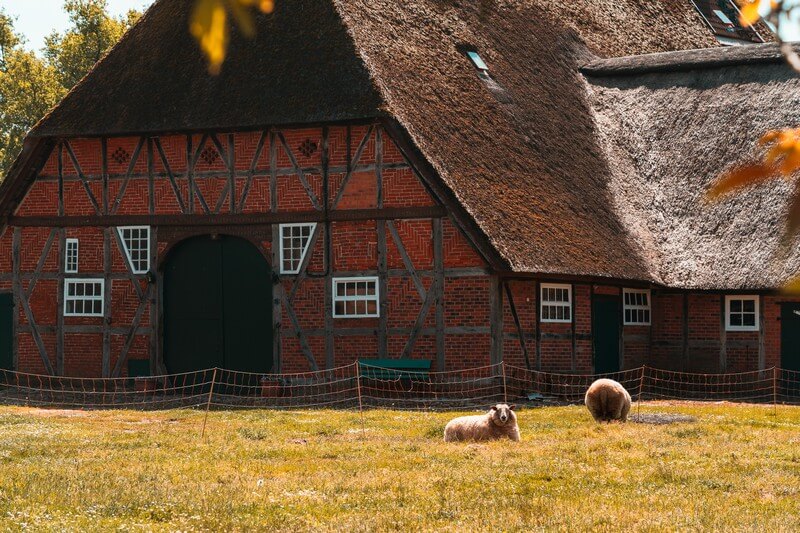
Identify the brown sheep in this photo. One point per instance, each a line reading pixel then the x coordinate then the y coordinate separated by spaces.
pixel 499 423
pixel 607 400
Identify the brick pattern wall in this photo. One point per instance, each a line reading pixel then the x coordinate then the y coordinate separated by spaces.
pixel 380 176
pixel 668 343
pixel 298 156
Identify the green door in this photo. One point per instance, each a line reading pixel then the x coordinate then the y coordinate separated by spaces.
pixel 217 306
pixel 605 331
pixel 790 336
pixel 6 331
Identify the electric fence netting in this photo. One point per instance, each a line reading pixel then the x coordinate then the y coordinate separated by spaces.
pixel 361 386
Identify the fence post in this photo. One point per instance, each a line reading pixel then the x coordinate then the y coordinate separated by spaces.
pixel 505 387
pixel 775 390
pixel 360 401
pixel 208 403
pixel 639 399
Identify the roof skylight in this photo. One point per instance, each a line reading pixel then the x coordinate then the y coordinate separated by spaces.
pixel 477 61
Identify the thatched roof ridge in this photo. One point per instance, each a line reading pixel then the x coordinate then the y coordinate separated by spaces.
pixel 682 60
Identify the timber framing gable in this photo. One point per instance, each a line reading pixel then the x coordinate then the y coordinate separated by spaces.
pixel 227 211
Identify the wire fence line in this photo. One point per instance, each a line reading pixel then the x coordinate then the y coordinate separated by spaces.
pixel 360 386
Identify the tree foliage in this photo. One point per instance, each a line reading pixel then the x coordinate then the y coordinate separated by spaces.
pixel 31 84
pixel 92 34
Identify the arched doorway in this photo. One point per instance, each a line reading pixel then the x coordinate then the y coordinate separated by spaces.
pixel 217 306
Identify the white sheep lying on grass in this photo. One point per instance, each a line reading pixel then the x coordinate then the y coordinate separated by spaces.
pixel 608 400
pixel 499 423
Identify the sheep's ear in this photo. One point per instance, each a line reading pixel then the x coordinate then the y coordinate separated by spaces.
pixel 494 408
pixel 512 407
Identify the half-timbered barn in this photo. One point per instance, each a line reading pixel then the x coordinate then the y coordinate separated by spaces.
pixel 454 182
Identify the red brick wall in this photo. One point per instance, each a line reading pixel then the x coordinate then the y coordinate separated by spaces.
pixel 660 345
pixel 354 248
pixel 354 244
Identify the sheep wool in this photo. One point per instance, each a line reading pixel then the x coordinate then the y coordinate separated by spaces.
pixel 608 400
pixel 499 423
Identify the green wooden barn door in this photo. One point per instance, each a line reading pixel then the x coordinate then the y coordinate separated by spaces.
pixel 790 347
pixel 6 331
pixel 790 336
pixel 605 330
pixel 217 306
pixel 247 301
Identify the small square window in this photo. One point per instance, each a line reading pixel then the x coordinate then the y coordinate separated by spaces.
pixel 556 303
pixel 83 297
pixel 741 313
pixel 355 297
pixel 295 241
pixel 636 305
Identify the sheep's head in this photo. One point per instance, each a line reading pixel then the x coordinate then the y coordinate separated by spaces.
pixel 503 414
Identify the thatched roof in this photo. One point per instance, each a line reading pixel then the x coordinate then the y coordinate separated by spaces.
pixel 669 133
pixel 519 152
pixel 301 68
pixel 524 152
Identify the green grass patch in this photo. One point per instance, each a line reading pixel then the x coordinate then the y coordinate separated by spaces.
pixel 732 468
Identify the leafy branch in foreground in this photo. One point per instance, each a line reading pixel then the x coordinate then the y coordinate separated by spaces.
pixel 209 25
pixel 781 148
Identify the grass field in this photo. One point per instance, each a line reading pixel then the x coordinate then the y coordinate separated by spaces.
pixel 734 467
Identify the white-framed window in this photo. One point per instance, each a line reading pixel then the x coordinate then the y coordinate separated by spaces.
pixel 636 307
pixel 71 257
pixel 295 240
pixel 741 313
pixel 136 240
pixel 355 297
pixel 556 302
pixel 83 297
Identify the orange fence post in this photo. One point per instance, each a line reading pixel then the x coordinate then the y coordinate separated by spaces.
pixel 360 401
pixel 505 388
pixel 208 404
pixel 775 390
pixel 641 388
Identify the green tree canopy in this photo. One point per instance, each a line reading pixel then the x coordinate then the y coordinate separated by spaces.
pixel 31 84
pixel 92 34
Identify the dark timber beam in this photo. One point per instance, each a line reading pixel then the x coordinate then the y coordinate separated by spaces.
pixel 429 176
pixel 254 219
pixel 685 336
pixel 438 269
pixel 496 320
pixel 16 259
pixel 518 323
pixel 723 338
pixel 762 360
pixel 62 246
pixel 383 264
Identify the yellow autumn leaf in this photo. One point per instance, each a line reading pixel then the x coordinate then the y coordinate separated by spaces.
pixel 749 12
pixel 769 137
pixel 741 177
pixel 791 161
pixel 209 25
pixel 792 288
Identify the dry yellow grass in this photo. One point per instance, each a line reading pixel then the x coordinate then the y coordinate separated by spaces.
pixel 735 467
